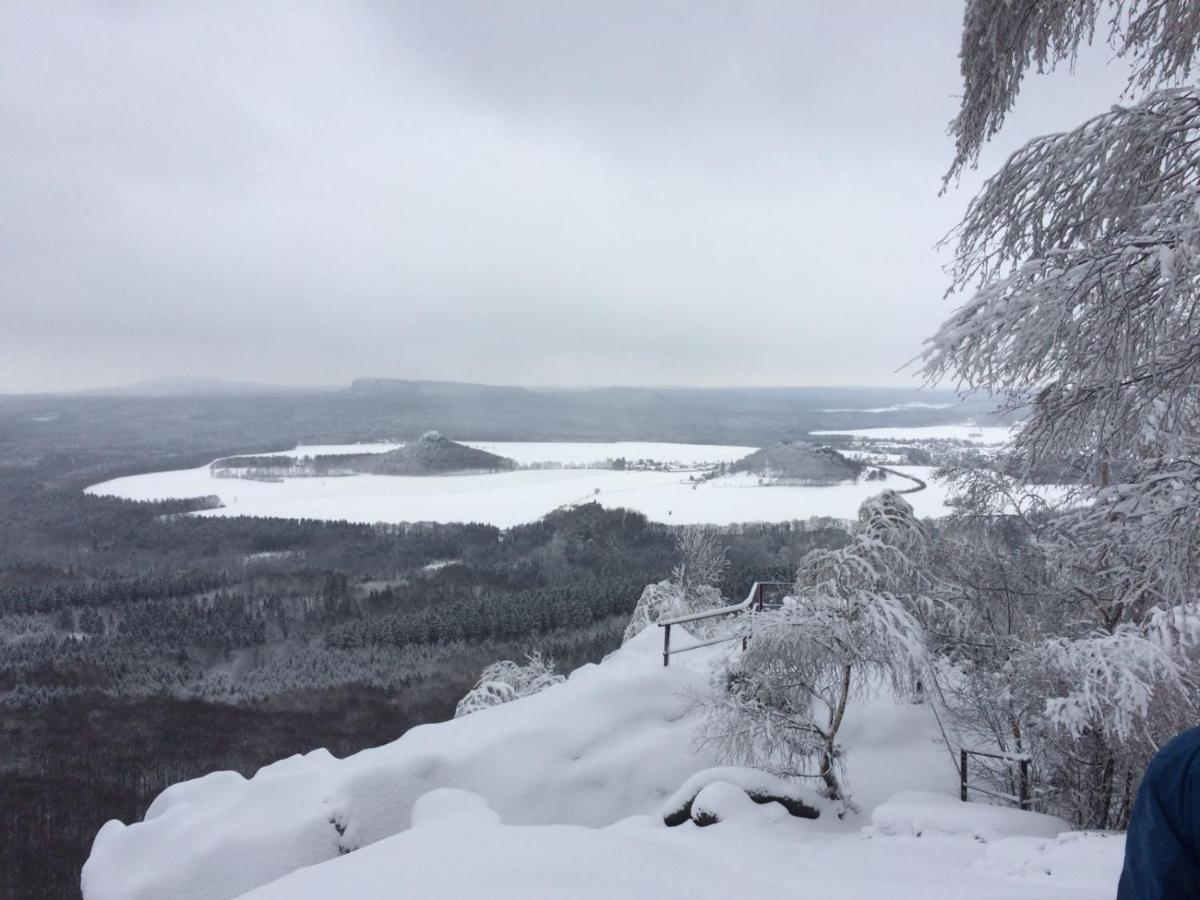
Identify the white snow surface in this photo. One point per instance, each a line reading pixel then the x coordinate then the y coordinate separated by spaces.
pixel 984 435
pixel 745 780
pixel 513 498
pixel 918 812
pixel 572 453
pixel 900 407
pixel 559 795
pixel 333 449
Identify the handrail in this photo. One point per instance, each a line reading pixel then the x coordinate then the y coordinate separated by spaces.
pixel 754 597
pixel 1022 798
pixel 723 610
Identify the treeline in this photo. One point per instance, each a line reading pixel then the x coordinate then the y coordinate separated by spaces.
pixel 107 589
pixel 494 614
pixel 140 645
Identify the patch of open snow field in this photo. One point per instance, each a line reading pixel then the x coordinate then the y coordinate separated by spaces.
pixel 569 453
pixel 979 434
pixel 901 407
pixel 333 449
pixel 511 498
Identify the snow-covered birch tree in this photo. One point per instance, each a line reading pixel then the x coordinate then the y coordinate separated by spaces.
pixel 847 630
pixel 1080 262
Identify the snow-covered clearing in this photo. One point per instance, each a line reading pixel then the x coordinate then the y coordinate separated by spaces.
pixel 984 435
pixel 570 453
pixel 901 407
pixel 512 498
pixel 560 795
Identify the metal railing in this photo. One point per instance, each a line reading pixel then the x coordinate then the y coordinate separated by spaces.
pixel 754 600
pixel 1021 798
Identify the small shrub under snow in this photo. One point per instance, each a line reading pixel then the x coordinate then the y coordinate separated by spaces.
pixel 760 787
pixel 505 680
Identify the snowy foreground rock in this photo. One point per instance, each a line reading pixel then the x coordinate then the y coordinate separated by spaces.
pixel 561 795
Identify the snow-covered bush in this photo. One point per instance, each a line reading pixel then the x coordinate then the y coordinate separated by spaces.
pixel 848 629
pixel 506 680
pixel 759 786
pixel 668 599
pixel 691 587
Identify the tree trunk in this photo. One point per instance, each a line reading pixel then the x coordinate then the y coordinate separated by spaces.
pixel 835 722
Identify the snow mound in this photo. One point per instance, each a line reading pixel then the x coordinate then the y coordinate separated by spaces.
pixel 724 802
pixel 640 859
pixel 559 794
pixel 755 785
pixel 1072 856
pixel 610 742
pixel 450 806
pixel 921 812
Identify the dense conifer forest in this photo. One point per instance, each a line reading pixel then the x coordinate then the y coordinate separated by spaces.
pixel 227 643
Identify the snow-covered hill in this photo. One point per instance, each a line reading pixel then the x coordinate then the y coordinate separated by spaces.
pixel 561 795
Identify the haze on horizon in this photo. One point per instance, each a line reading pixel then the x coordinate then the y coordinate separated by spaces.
pixel 537 193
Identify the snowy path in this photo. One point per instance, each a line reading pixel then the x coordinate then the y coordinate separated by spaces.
pixel 920 484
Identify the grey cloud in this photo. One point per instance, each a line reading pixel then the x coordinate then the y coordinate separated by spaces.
pixel 532 192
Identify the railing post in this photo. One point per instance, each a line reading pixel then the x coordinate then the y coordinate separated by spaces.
pixel 666 645
pixel 962 775
pixel 760 589
pixel 1023 784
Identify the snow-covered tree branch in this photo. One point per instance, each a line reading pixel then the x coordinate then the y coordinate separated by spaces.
pixel 1080 261
pixel 1003 39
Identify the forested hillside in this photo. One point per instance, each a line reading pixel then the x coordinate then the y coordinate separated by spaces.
pixel 142 646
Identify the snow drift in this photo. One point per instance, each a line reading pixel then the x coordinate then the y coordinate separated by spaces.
pixel 562 793
pixel 612 741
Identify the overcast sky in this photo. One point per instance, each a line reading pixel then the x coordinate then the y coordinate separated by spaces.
pixel 539 193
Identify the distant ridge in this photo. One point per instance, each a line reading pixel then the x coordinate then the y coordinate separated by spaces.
pixel 429 388
pixel 199 386
pixel 228 417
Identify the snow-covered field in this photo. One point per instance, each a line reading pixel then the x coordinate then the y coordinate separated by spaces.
pixel 568 453
pixel 988 435
pixel 511 498
pixel 561 795
pixel 901 407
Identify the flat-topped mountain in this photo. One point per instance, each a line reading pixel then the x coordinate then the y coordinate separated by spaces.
pixel 798 462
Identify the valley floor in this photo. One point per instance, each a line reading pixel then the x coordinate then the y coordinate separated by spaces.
pixel 676 497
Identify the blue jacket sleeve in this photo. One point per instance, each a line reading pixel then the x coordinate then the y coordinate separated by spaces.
pixel 1162 845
